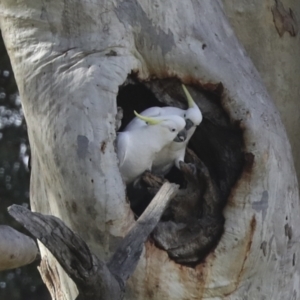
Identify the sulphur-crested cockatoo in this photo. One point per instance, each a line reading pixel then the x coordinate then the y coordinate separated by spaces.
pixel 137 147
pixel 174 152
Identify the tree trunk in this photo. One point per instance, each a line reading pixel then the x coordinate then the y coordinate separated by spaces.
pixel 274 50
pixel 69 59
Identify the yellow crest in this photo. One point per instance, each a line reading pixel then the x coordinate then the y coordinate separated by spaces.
pixel 189 98
pixel 149 120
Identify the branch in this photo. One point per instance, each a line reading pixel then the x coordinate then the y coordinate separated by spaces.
pixel 95 279
pixel 91 276
pixel 125 259
pixel 16 249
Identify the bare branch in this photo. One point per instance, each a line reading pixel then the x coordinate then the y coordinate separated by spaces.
pixel 16 249
pixel 93 279
pixel 125 259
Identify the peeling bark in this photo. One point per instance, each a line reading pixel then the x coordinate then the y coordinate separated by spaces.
pixel 284 20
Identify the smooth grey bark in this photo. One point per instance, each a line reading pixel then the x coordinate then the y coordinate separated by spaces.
pixel 69 59
pixel 16 249
pixel 274 50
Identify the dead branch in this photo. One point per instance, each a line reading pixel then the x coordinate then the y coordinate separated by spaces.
pixel 125 259
pixel 95 279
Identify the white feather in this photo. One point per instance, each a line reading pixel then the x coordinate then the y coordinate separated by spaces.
pixel 173 152
pixel 138 146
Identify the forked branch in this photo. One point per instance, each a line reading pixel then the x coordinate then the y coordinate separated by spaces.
pixel 95 279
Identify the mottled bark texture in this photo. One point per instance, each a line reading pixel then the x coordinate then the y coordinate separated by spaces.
pixel 70 58
pixel 274 50
pixel 16 249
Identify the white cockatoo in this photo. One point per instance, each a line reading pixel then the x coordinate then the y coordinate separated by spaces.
pixel 174 152
pixel 137 147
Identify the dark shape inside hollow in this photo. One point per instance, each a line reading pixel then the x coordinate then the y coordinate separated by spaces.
pixel 193 224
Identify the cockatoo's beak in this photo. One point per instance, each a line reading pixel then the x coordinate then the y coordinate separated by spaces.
pixel 188 124
pixel 181 136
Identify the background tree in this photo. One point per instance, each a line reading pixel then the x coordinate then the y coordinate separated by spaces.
pixel 69 73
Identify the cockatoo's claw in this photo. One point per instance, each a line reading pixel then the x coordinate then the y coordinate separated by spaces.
pixel 188 168
pixel 153 180
pixel 147 173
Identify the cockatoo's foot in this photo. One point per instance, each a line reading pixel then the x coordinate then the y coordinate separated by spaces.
pixel 152 180
pixel 189 168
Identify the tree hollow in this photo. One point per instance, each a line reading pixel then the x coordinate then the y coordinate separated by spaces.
pixel 193 224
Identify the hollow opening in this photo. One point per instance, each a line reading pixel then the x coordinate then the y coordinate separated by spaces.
pixel 193 223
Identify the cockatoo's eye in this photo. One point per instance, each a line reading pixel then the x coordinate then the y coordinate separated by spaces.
pixel 173 129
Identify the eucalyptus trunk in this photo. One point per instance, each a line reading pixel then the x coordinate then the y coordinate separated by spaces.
pixel 70 58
